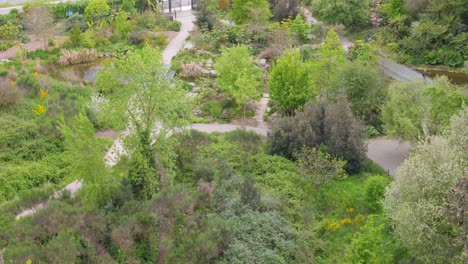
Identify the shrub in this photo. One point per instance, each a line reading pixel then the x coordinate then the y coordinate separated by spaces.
pixel 60 10
pixel 6 46
pixel 10 31
pixel 192 70
pixel 25 39
pixel 147 20
pixel 451 57
pixel 174 26
pixel 374 191
pixel 76 19
pixel 10 93
pixel 160 40
pixel 215 109
pixel 96 10
pixel 432 57
pixel 69 57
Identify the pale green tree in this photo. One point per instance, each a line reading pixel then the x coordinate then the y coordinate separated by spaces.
pixel 347 12
pixel 248 85
pixel 96 10
pixel 331 56
pixel 85 152
pixel 153 107
pixel 238 74
pixel 241 10
pixel 368 245
pixel 415 111
pixel 122 25
pixel 415 201
pixel 291 84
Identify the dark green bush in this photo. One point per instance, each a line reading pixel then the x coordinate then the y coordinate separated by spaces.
pixel 451 57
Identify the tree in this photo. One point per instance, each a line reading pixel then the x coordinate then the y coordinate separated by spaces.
pixel 301 28
pixel 363 87
pixel 154 107
pixel 344 135
pixel 415 111
pixel 291 83
pixel 319 124
pixel 39 19
pixel 96 10
pixel 238 74
pixel 350 13
pixel 241 10
pixel 128 6
pixel 331 56
pixel 85 152
pixel 76 35
pixel 205 15
pixel 319 167
pixel 122 25
pixel 248 84
pixel 415 201
pixel 282 9
pixel 368 245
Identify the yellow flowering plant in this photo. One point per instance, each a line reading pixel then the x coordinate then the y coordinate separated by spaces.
pixel 39 110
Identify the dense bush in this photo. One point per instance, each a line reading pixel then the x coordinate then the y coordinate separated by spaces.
pixel 375 190
pixel 60 9
pixel 332 125
pixel 10 31
pixel 76 19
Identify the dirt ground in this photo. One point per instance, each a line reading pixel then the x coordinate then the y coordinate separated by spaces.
pixel 34 44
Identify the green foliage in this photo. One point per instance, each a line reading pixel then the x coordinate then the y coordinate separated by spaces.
pixel 88 162
pixel 76 19
pixel 260 238
pixel 205 16
pixel 238 74
pixel 415 201
pixel 76 36
pixel 122 25
pixel 364 53
pixel 10 31
pixel 330 57
pixel 375 190
pixel 246 10
pixel 96 10
pixel 412 112
pixel 301 28
pixel 319 167
pixel 151 104
pixel 60 10
pixel 128 6
pixel 369 245
pixel 331 125
pixel 349 13
pixel 291 83
pixel 364 88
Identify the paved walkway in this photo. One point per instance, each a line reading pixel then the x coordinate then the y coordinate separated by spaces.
pixel 176 44
pixel 397 71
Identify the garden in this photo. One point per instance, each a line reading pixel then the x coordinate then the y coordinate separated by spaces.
pixel 278 174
